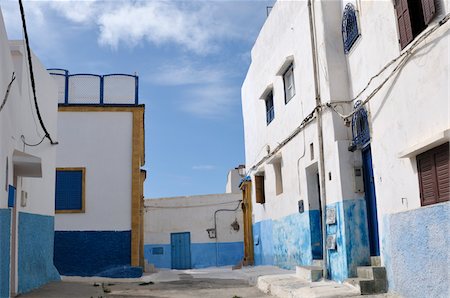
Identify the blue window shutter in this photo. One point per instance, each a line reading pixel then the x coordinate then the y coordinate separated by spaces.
pixel 69 190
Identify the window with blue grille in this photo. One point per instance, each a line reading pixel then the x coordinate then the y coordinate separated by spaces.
pixel 360 127
pixel 350 32
pixel 69 193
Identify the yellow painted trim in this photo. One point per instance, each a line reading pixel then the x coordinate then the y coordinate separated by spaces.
pixel 246 188
pixel 137 161
pixel 83 191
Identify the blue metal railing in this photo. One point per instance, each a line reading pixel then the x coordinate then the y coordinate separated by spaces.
pixel 87 88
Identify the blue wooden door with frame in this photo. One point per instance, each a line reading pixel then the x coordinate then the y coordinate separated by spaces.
pixel 371 202
pixel 181 250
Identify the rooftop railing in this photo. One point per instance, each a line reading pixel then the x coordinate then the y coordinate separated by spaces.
pixel 93 89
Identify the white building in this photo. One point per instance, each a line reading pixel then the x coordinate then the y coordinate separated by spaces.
pixel 383 164
pixel 27 173
pixel 99 181
pixel 195 231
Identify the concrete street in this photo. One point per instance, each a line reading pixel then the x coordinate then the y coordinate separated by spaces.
pixel 250 282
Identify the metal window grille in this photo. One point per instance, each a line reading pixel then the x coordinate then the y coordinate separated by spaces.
pixel 360 127
pixel 350 32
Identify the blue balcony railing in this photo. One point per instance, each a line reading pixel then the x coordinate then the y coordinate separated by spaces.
pixel 93 89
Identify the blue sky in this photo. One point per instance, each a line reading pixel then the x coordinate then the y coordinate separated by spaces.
pixel 191 58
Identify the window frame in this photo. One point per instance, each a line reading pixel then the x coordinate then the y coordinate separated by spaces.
pixel 408 26
pixel 83 189
pixel 349 40
pixel 431 154
pixel 289 73
pixel 270 112
pixel 260 189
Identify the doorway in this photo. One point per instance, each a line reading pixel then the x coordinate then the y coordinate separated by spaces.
pixel 181 250
pixel 371 201
pixel 315 210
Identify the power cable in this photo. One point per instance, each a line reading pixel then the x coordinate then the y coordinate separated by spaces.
pixel 22 137
pixel 13 77
pixel 33 85
pixel 404 58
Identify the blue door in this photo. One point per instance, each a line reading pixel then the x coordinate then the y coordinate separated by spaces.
pixel 371 201
pixel 181 250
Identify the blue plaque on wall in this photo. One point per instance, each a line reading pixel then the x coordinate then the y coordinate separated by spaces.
pixel 11 196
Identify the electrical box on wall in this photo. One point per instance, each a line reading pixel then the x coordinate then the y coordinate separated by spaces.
pixel 359 179
pixel 23 198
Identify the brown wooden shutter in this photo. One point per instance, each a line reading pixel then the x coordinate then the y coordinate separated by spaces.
pixel 433 171
pixel 427 179
pixel 404 22
pixel 441 159
pixel 259 189
pixel 429 10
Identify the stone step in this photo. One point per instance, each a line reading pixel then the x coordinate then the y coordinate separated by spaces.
pixel 375 261
pixel 318 263
pixel 371 272
pixel 309 273
pixel 368 286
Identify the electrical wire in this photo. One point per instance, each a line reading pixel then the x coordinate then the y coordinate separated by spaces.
pixel 13 77
pixel 404 57
pixel 192 206
pixel 22 137
pixel 30 66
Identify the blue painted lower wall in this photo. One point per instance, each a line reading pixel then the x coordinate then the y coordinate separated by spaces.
pixel 286 242
pixel 352 241
pixel 5 232
pixel 297 240
pixel 415 251
pixel 92 253
pixel 203 255
pixel 35 251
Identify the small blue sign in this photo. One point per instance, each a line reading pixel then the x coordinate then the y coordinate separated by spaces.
pixel 11 196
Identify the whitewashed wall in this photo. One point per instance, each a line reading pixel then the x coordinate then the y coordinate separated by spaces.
pixel 18 117
pixel 102 143
pixel 186 214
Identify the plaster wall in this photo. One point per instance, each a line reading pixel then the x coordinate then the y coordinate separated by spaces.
pixel 194 214
pixel 233 181
pixel 18 119
pixel 192 217
pixel 100 142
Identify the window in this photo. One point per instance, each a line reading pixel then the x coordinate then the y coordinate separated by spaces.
pixel 360 128
pixel 277 166
pixel 289 86
pixel 433 171
pixel 259 189
pixel 413 16
pixel 270 112
pixel 350 32
pixel 70 190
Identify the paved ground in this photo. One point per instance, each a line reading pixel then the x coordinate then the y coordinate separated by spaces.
pixel 186 288
pixel 204 283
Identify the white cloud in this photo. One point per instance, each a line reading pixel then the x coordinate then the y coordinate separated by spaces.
pixel 210 101
pixel 186 73
pixel 203 167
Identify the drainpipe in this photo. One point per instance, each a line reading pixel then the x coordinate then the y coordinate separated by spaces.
pixel 319 131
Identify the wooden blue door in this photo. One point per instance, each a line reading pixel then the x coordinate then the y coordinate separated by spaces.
pixel 181 250
pixel 371 201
